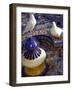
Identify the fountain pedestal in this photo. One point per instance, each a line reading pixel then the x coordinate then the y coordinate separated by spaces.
pixel 33 58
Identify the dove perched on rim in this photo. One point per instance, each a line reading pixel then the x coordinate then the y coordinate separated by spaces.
pixel 31 23
pixel 56 31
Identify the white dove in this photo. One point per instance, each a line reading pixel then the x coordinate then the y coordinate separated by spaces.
pixel 30 24
pixel 56 31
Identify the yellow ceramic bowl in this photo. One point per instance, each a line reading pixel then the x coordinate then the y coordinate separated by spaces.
pixel 35 71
